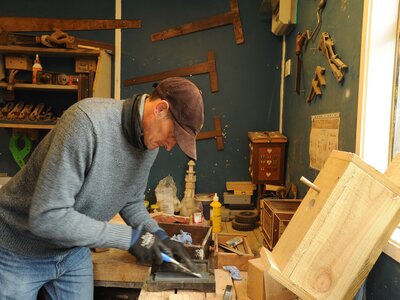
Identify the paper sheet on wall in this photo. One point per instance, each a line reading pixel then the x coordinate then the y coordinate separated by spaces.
pixel 324 138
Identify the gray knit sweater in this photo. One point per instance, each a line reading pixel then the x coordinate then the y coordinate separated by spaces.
pixel 82 173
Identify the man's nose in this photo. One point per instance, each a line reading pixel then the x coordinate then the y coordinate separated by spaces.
pixel 170 145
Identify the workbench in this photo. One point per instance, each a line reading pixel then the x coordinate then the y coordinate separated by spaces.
pixel 117 268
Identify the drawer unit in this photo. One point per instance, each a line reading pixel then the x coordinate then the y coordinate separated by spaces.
pixel 275 216
pixel 267 157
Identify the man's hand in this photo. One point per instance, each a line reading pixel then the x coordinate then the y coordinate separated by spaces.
pixel 146 248
pixel 178 251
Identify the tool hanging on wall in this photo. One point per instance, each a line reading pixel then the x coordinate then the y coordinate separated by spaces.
pixel 231 17
pixel 320 8
pixel 217 134
pixel 335 63
pixel 206 67
pixel 48 24
pixel 20 152
pixel 316 83
pixel 300 39
pixel 56 39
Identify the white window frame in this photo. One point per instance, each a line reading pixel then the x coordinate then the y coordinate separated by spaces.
pixel 377 67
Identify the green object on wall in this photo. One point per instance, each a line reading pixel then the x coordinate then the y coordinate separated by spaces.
pixel 20 152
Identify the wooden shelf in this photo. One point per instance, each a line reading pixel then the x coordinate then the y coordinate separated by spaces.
pixel 21 125
pixel 42 87
pixel 49 51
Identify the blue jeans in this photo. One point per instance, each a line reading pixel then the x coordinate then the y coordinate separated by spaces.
pixel 64 277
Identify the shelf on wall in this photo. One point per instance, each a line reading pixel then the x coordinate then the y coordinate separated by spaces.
pixel 44 87
pixel 24 125
pixel 49 51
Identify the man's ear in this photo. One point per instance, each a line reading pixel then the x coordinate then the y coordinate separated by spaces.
pixel 161 109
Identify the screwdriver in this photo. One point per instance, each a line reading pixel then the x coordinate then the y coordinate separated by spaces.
pixel 169 259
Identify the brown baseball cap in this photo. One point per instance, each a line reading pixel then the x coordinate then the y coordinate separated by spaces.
pixel 187 109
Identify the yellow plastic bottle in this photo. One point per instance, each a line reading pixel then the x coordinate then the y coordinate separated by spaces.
pixel 216 214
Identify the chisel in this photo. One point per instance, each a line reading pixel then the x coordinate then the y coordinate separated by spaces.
pixel 169 259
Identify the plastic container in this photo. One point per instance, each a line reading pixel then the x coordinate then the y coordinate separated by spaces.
pixel 216 214
pixel 204 200
pixel 37 67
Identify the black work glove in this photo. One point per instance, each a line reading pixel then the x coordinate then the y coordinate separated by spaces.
pixel 146 247
pixel 176 250
pixel 179 253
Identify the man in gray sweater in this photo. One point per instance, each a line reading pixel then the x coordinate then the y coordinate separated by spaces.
pixel 94 164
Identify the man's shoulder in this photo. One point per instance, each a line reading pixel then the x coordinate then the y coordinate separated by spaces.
pixel 96 103
pixel 98 107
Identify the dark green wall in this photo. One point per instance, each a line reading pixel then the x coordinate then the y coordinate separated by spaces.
pixel 248 76
pixel 343 21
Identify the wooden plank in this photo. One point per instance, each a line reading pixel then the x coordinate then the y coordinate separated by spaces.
pixel 49 51
pixel 26 125
pixel 172 295
pixel 336 235
pixel 118 266
pixel 241 287
pixel 231 17
pixel 217 134
pixel 240 185
pixel 274 281
pixel 393 247
pixel 49 24
pixel 164 295
pixel 187 295
pixel 222 280
pixel 102 80
pixel 202 68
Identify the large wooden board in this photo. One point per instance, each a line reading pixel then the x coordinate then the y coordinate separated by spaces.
pixel 393 247
pixel 49 24
pixel 117 268
pixel 336 235
pixel 231 17
pixel 202 68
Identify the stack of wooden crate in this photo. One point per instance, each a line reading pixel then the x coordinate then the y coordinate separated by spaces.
pixel 239 192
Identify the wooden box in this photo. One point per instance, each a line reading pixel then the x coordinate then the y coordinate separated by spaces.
pixel 273 290
pixel 255 279
pixel 18 62
pixel 275 216
pixel 226 258
pixel 267 157
pixel 230 198
pixel 241 187
pixel 338 231
pixel 201 236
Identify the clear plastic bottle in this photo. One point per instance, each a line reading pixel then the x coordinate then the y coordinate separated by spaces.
pixel 216 214
pixel 37 67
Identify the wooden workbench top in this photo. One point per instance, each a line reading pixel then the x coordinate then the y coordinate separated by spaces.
pixel 117 268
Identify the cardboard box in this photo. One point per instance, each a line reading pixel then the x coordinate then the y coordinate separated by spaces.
pixel 226 258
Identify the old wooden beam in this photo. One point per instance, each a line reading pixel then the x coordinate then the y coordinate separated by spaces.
pixel 202 68
pixel 49 24
pixel 216 133
pixel 231 17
